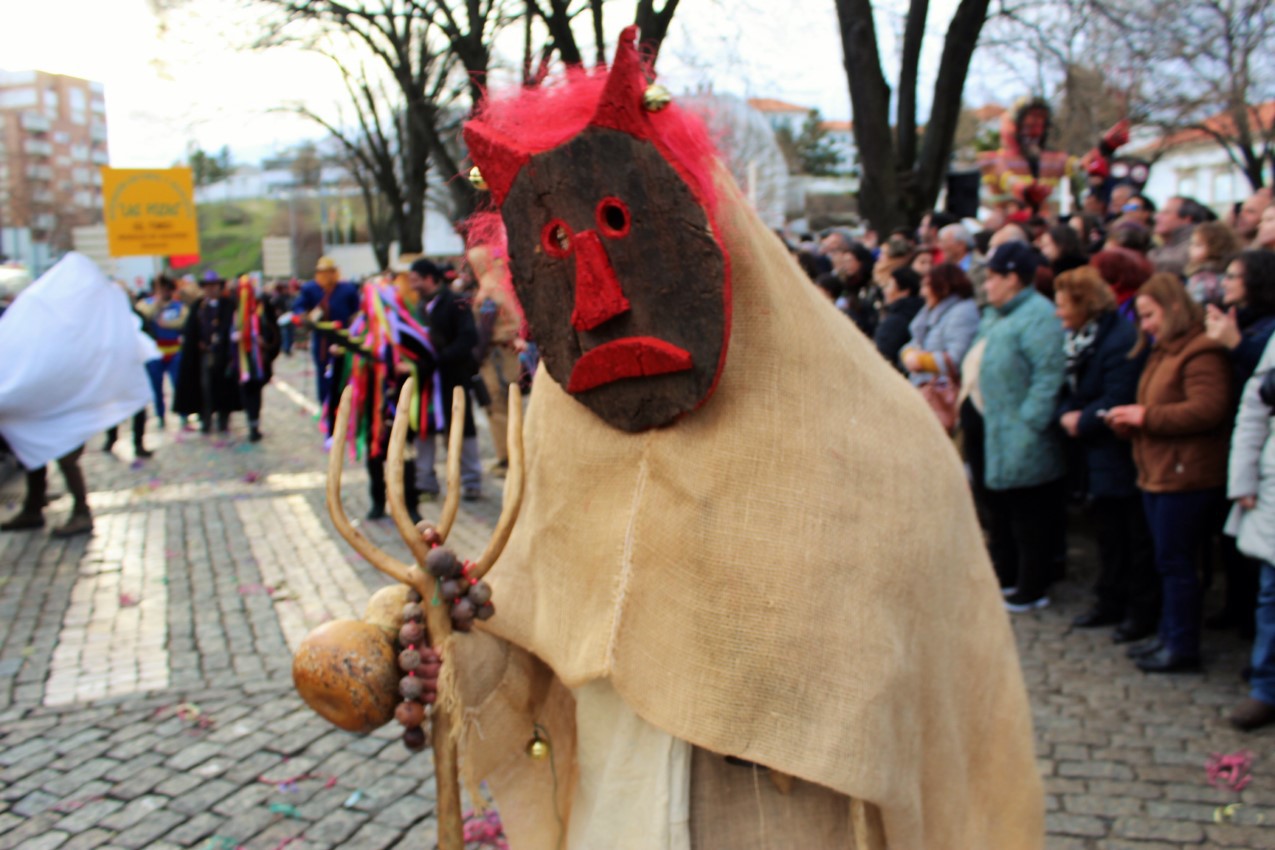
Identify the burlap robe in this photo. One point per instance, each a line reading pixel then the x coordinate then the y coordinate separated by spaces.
pixel 792 574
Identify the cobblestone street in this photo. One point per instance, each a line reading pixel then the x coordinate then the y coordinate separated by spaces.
pixel 145 672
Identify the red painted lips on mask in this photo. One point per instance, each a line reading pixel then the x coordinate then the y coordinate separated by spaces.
pixel 632 357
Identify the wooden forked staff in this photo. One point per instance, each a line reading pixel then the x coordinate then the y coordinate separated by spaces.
pixel 417 576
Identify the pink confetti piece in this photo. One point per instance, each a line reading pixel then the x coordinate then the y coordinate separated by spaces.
pixel 154 484
pixel 1230 770
pixel 485 829
pixel 127 600
pixel 72 805
pixel 252 477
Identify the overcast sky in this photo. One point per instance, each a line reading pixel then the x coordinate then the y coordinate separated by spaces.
pixel 189 80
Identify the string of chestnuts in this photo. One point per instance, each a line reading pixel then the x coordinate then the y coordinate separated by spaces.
pixel 470 598
pixel 419 684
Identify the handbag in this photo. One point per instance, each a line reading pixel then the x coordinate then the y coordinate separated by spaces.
pixel 941 395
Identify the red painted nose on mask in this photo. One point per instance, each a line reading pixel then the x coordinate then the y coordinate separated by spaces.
pixel 598 294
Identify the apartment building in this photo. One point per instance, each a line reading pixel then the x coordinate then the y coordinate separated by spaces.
pixel 52 145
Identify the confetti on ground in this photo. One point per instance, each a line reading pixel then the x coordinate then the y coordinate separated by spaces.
pixel 137 464
pixel 221 842
pixel 352 800
pixel 127 600
pixel 286 809
pixel 72 805
pixel 485 829
pixel 252 477
pixel 255 590
pixel 1230 770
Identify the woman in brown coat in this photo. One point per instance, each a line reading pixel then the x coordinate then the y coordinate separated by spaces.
pixel 1179 428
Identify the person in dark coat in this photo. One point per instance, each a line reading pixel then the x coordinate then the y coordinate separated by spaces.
pixel 206 386
pixel 1101 375
pixel 903 301
pixel 454 338
pixel 1244 324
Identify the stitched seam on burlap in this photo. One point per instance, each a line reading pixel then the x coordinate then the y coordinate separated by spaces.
pixel 626 566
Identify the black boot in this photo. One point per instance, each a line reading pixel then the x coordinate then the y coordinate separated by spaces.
pixel 139 434
pixel 112 434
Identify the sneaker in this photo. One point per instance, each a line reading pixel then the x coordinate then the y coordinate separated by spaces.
pixel 23 522
pixel 1015 604
pixel 255 435
pixel 77 524
pixel 1252 714
pixel 142 452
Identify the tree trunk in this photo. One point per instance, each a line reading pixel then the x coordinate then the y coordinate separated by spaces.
pixel 653 26
pixel 870 100
pixel 949 86
pixel 913 35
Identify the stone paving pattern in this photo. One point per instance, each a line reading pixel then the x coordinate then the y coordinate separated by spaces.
pixel 146 696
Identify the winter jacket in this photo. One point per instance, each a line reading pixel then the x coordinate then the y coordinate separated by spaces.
pixel 1186 390
pixel 1020 377
pixel 1106 378
pixel 892 331
pixel 1252 468
pixel 949 326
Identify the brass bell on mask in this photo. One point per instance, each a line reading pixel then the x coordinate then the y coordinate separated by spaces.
pixel 476 179
pixel 538 748
pixel 656 97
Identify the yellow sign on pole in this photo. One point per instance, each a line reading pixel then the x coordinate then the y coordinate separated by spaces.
pixel 149 211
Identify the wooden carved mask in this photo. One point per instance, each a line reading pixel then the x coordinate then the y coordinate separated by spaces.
pixel 615 259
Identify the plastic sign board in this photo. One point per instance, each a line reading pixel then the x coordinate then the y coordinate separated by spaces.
pixel 149 212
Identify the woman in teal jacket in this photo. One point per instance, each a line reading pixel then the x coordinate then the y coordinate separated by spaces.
pixel 1019 379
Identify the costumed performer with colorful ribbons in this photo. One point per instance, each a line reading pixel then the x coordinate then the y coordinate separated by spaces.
pixel 384 347
pixel 54 396
pixel 256 339
pixel 1023 170
pixel 717 623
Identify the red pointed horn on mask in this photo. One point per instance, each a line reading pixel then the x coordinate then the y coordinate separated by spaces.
pixel 497 157
pixel 621 105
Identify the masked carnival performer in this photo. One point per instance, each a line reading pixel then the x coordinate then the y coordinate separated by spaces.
pixel 385 346
pixel 718 624
pixel 1024 171
pixel 328 304
pixel 255 340
pixel 207 386
pixel 46 416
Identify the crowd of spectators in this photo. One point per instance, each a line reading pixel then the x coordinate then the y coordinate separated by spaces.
pixel 1118 358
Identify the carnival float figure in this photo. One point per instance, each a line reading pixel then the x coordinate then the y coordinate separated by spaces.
pixel 1024 173
pixel 719 623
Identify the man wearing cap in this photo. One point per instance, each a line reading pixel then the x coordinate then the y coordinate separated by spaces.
pixel 453 335
pixel 204 385
pixel 327 304
pixel 1018 381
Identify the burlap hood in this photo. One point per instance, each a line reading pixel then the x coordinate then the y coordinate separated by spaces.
pixel 792 574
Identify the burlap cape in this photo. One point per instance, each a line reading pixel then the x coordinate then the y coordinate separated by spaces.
pixel 792 574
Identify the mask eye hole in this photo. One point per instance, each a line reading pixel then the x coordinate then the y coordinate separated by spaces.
pixel 613 218
pixel 555 238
